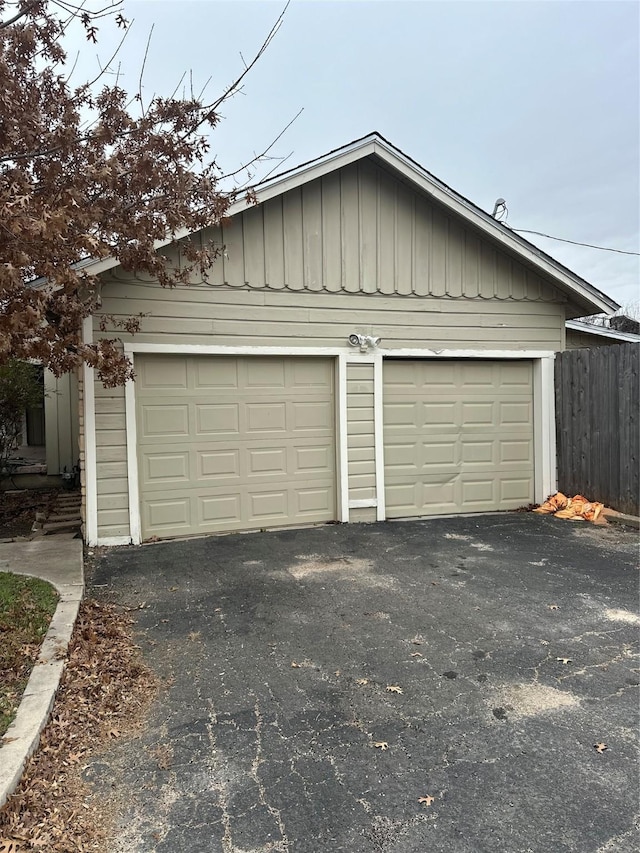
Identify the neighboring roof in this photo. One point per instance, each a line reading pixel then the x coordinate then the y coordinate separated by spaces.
pixel 376 146
pixel 601 331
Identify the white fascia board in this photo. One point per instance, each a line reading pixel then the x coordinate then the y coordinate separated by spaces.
pixel 131 347
pixel 468 353
pixel 345 352
pixel 601 331
pixel 330 163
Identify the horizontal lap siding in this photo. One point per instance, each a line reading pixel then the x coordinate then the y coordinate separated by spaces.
pixel 360 432
pixel 206 315
pixel 583 340
pixel 111 462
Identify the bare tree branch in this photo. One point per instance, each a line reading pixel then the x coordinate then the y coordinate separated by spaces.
pixel 19 14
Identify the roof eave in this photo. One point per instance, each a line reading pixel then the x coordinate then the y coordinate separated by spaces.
pixel 601 331
pixel 589 297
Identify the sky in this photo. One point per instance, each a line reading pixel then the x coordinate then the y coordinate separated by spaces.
pixel 535 102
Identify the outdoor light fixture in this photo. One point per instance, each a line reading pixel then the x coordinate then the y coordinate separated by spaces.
pixel 365 342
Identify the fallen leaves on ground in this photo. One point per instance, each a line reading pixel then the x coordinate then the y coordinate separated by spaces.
pixel 600 747
pixel 426 801
pixel 8 846
pixel 104 693
pixel 393 688
pixel 18 512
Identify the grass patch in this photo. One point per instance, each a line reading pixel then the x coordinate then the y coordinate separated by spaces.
pixel 105 692
pixel 26 608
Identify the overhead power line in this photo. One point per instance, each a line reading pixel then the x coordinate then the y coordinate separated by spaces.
pixel 573 242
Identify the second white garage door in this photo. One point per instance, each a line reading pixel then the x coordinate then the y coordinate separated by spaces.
pixel 458 436
pixel 233 443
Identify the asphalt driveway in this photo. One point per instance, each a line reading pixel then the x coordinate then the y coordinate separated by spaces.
pixel 390 688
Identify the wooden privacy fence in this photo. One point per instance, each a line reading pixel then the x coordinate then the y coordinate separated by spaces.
pixel 597 424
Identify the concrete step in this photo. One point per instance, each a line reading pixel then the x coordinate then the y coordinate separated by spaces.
pixel 63 516
pixel 59 526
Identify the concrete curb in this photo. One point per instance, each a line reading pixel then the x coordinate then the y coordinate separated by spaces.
pixel 621 518
pixel 58 561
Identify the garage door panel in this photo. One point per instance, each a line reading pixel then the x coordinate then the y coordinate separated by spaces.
pixel 213 510
pixel 168 373
pixel 478 452
pixel 314 459
pixel 515 489
pixel 478 493
pixel 312 416
pixel 518 451
pixel 318 501
pixel 439 495
pixel 163 513
pixel 171 419
pixel 316 375
pixel 216 464
pixel 438 413
pixel 259 449
pixel 476 414
pixel 516 414
pixel 267 460
pixel 216 374
pixel 217 419
pixel 264 373
pixel 458 436
pixel 166 467
pixel 266 417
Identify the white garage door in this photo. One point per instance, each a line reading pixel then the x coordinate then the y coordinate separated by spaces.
pixel 230 443
pixel 458 436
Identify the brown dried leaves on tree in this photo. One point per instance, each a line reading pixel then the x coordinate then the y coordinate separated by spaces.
pixel 73 189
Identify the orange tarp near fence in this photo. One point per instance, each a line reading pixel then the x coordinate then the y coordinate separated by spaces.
pixel 577 508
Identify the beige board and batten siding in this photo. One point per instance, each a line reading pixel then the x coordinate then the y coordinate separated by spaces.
pixel 361 230
pixel 355 251
pixel 458 436
pixel 234 443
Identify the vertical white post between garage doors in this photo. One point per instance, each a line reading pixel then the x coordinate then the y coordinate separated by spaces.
pixel 543 400
pixel 342 460
pixel 378 434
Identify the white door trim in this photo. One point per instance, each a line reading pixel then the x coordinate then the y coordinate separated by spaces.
pixel 378 434
pixel 544 426
pixel 544 413
pixel 342 460
pixel 90 465
pixel 135 524
pixel 340 396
